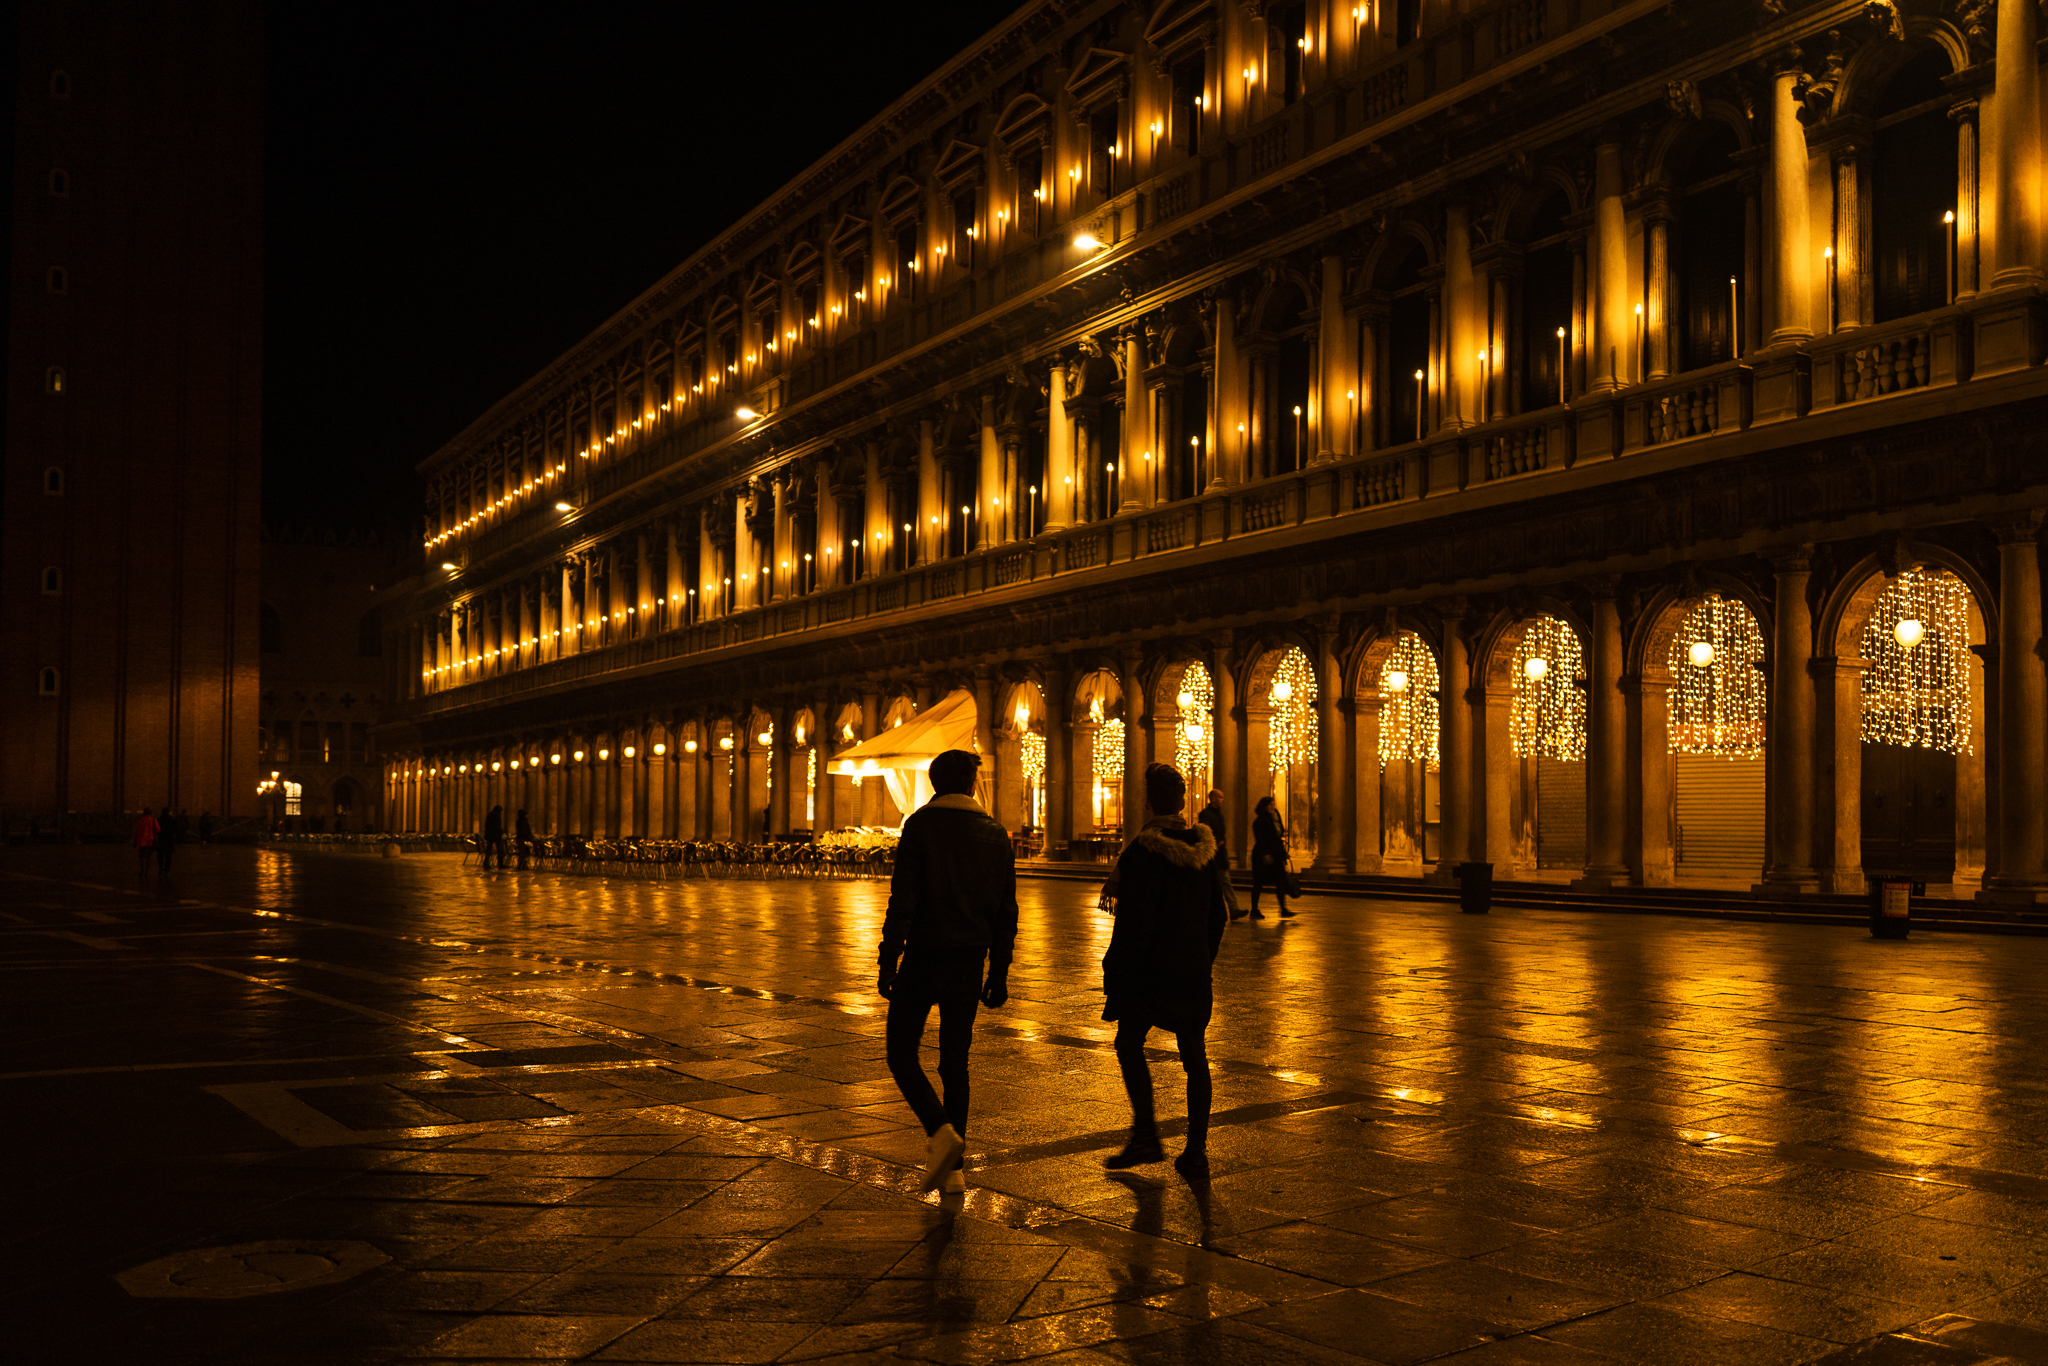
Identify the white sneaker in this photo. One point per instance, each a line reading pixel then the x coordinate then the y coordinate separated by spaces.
pixel 943 1151
pixel 955 1184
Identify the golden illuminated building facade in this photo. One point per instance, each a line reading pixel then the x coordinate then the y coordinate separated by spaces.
pixel 1604 440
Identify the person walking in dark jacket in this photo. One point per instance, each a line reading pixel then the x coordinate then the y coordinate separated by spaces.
pixel 1212 816
pixel 170 830
pixel 952 903
pixel 494 836
pixel 1170 918
pixel 522 833
pixel 1269 856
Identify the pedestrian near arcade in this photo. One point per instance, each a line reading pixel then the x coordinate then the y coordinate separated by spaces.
pixel 952 904
pixel 1269 856
pixel 1212 816
pixel 522 833
pixel 143 837
pixel 170 831
pixel 1170 918
pixel 494 836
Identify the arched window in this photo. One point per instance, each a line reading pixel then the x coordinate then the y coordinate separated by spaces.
pixel 269 631
pixel 60 85
pixel 1913 187
pixel 1711 228
pixel 1547 298
pixel 53 380
pixel 53 580
pixel 60 183
pixel 53 481
pixel 46 683
pixel 1409 328
pixel 57 280
pixel 1291 370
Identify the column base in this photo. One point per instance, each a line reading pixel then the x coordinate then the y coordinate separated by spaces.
pixel 2010 326
pixel 1787 884
pixel 1846 881
pixel 2012 894
pixel 1602 878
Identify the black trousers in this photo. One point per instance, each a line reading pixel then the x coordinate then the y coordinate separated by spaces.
pixel 953 984
pixel 1131 1031
pixel 1269 872
pixel 494 849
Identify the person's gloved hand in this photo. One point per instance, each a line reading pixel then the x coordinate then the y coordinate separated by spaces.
pixel 885 979
pixel 997 989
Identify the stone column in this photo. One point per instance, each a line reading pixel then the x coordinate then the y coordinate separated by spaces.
pixel 1333 415
pixel 1137 438
pixel 1613 315
pixel 2020 871
pixel 2016 148
pixel 1846 241
pixel 1364 776
pixel 1059 761
pixel 1137 724
pixel 1454 779
pixel 1461 329
pixel 1964 114
pixel 1334 777
pixel 1657 293
pixel 1791 238
pixel 780 794
pixel 1788 783
pixel 1227 740
pixel 1059 490
pixel 740 800
pixel 1225 446
pixel 985 735
pixel 1838 837
pixel 1647 699
pixel 1606 749
pixel 571 618
pixel 988 508
pixel 870 727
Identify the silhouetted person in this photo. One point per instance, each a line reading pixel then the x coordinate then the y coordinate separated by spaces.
pixel 494 836
pixel 1169 923
pixel 522 832
pixel 1269 856
pixel 168 832
pixel 952 903
pixel 206 827
pixel 1212 816
pixel 143 837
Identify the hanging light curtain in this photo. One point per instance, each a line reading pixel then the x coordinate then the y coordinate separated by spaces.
pixel 1717 686
pixel 1193 745
pixel 1291 729
pixel 1916 691
pixel 1410 711
pixel 1548 720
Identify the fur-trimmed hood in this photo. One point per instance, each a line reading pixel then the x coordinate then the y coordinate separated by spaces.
pixel 1178 843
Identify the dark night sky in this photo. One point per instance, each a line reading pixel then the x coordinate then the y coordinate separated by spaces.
pixel 456 193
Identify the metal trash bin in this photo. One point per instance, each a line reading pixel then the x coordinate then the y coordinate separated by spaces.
pixel 1891 907
pixel 1475 888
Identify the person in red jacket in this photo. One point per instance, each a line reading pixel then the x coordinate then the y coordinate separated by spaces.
pixel 952 904
pixel 143 837
pixel 1170 917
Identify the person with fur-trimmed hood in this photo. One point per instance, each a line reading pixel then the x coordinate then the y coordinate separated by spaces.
pixel 1170 916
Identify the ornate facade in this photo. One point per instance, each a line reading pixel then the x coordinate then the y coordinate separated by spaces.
pixel 1600 439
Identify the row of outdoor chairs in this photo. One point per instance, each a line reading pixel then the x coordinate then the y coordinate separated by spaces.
pixel 687 858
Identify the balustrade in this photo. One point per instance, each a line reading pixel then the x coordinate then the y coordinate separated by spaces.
pixel 1922 352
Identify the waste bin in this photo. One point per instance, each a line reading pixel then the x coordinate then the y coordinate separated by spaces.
pixel 1891 907
pixel 1475 888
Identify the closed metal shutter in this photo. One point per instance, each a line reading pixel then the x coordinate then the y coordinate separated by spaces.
pixel 1560 814
pixel 1720 816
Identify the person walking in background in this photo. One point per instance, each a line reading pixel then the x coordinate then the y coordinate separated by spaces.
pixel 169 831
pixel 522 833
pixel 206 827
pixel 1269 856
pixel 952 903
pixel 143 837
pixel 1170 919
pixel 1212 816
pixel 494 836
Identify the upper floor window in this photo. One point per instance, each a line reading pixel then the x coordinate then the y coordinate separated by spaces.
pixel 966 230
pixel 57 280
pixel 53 481
pixel 1031 188
pixel 906 260
pixel 1103 150
pixel 60 183
pixel 46 683
pixel 853 307
pixel 1913 190
pixel 60 85
pixel 1289 29
pixel 1186 112
pixel 769 320
pixel 728 354
pixel 1407 21
pixel 807 308
pixel 53 580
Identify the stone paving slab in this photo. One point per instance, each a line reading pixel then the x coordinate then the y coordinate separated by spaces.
pixel 652 1122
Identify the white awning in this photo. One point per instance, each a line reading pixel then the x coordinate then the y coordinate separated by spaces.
pixel 900 755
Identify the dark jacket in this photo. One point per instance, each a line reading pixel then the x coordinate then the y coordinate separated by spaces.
pixel 1169 923
pixel 523 831
pixel 954 889
pixel 494 826
pixel 1269 838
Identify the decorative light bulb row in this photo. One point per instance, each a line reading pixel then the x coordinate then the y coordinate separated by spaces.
pixel 1718 692
pixel 1410 711
pixel 1916 692
pixel 1548 718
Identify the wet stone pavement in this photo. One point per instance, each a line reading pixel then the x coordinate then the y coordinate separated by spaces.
pixel 330 1108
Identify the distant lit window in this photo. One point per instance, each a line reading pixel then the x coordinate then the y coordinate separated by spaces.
pixel 60 183
pixel 57 280
pixel 53 481
pixel 46 683
pixel 53 380
pixel 292 792
pixel 60 85
pixel 53 580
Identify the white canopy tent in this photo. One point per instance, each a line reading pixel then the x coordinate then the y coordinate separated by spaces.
pixel 900 755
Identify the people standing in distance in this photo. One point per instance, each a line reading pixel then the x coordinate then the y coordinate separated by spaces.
pixel 1269 856
pixel 1212 816
pixel 952 903
pixel 1170 919
pixel 143 836
pixel 522 833
pixel 494 836
pixel 169 831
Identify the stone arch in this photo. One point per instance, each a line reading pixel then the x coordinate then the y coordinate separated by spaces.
pixel 1019 763
pixel 1391 250
pixel 1392 802
pixel 1509 812
pixel 1675 141
pixel 1270 306
pixel 1857 823
pixel 1184 671
pixel 1871 67
pixel 1297 793
pixel 1519 213
pixel 1097 765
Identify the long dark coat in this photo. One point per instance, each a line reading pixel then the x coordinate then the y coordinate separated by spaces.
pixel 1170 916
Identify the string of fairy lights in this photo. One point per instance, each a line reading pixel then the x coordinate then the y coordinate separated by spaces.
pixel 1031 757
pixel 1291 728
pixel 1410 709
pixel 1548 718
pixel 1916 692
pixel 1717 685
pixel 1193 745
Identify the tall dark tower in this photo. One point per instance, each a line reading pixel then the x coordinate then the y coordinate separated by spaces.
pixel 128 549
